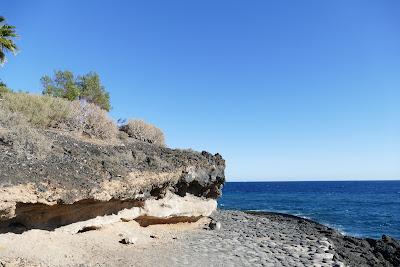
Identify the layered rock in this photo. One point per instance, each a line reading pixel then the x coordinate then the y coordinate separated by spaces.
pixel 79 180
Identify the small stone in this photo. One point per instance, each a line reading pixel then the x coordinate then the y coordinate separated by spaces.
pixel 214 225
pixel 128 240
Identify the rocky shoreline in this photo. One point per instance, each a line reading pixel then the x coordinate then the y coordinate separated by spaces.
pixel 244 239
pixel 352 251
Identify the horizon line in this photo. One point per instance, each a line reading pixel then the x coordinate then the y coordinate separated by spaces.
pixel 288 181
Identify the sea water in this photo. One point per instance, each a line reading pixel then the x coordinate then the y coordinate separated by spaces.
pixel 357 208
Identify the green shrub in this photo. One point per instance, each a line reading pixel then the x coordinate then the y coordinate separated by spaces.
pixel 63 84
pixel 93 91
pixel 86 87
pixel 143 131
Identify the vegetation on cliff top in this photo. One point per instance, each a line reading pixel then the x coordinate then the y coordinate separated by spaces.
pixel 57 113
pixel 24 117
pixel 79 117
pixel 143 131
pixel 86 87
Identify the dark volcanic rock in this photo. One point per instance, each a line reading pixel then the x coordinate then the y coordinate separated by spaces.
pixel 386 248
pixel 350 250
pixel 77 170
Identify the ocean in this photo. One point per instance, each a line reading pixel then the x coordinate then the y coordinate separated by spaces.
pixel 356 208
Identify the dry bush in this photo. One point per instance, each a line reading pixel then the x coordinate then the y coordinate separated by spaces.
pixel 95 122
pixel 40 111
pixel 6 117
pixel 25 140
pixel 143 131
pixel 51 112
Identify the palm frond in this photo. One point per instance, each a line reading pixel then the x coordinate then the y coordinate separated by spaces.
pixel 8 44
pixel 2 57
pixel 7 33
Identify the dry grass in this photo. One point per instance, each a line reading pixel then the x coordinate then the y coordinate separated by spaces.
pixel 23 117
pixel 27 141
pixel 24 139
pixel 143 131
pixel 50 112
pixel 40 111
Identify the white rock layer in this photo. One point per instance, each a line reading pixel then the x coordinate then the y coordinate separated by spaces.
pixel 168 207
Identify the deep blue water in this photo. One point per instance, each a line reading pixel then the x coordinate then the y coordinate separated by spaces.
pixel 358 208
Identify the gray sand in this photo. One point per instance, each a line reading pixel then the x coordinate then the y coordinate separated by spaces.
pixel 244 240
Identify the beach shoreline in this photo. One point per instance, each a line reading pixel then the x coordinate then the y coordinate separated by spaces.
pixel 245 239
pixel 353 251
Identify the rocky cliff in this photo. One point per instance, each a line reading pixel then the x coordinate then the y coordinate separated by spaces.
pixel 78 180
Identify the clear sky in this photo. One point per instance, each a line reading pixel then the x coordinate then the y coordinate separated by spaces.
pixel 306 90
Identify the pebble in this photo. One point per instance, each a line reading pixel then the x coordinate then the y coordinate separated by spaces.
pixel 214 225
pixel 128 240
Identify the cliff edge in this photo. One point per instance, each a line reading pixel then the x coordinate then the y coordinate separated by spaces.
pixel 79 180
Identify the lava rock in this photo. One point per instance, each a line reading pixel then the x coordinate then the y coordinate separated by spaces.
pixel 214 225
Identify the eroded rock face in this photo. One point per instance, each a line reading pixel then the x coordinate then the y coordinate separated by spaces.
pixel 79 180
pixel 171 209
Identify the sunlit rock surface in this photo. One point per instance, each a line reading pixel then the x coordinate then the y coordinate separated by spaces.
pixel 80 179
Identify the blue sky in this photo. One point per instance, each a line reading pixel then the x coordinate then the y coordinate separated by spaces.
pixel 284 90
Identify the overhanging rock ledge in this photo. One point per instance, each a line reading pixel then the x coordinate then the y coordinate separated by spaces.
pixel 79 180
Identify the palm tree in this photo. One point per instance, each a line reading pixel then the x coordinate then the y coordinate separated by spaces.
pixel 7 33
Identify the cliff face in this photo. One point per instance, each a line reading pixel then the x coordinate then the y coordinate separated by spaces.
pixel 78 180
